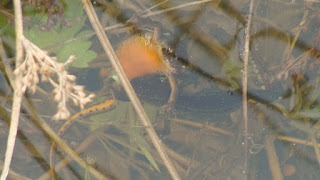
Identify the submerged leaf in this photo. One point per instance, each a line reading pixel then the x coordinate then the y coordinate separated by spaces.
pixel 309 114
pixel 149 157
pixel 124 112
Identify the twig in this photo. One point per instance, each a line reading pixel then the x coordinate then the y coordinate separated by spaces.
pixel 26 76
pixel 17 97
pixel 14 175
pixel 128 88
pixel 89 140
pixel 45 127
pixel 175 8
pixel 200 125
pixel 272 158
pixel 143 14
pixel 244 87
pixel 295 140
pixel 306 12
pixel 68 150
pixel 315 145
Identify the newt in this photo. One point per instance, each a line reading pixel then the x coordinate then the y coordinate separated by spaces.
pixel 139 56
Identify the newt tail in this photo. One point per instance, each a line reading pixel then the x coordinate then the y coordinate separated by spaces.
pixel 104 106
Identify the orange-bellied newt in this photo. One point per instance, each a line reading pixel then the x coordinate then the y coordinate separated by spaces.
pixel 138 57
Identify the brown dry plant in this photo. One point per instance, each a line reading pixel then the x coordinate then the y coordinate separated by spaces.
pixel 38 62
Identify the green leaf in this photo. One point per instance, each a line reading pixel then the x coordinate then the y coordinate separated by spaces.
pixel 149 157
pixel 281 108
pixel 59 34
pixel 299 99
pixel 3 21
pixel 80 49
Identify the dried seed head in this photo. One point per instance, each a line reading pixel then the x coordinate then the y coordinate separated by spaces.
pixel 91 96
pixel 68 87
pixel 60 67
pixel 81 94
pixel 58 97
pixel 16 72
pixel 70 60
pixel 33 89
pixel 44 78
pixel 36 67
pixel 30 78
pixel 71 78
pixel 61 114
pixel 36 79
pixel 78 88
pixel 75 101
pixel 38 61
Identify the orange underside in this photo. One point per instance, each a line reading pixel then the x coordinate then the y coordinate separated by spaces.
pixel 139 58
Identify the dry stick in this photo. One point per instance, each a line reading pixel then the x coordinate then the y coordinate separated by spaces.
pixel 105 140
pixel 17 104
pixel 68 150
pixel 295 140
pixel 89 140
pixel 272 158
pixel 48 130
pixel 315 146
pixel 244 88
pixel 306 12
pixel 200 125
pixel 183 160
pixel 128 88
pixel 175 8
pixel 17 97
pixel 121 25
pixel 14 175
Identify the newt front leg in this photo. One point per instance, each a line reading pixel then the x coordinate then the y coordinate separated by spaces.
pixel 166 110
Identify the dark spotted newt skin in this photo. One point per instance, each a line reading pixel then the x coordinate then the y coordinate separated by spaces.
pixel 105 106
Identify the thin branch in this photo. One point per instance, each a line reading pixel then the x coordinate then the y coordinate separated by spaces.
pixel 244 88
pixel 175 8
pixel 272 158
pixel 128 88
pixel 17 97
pixel 26 76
